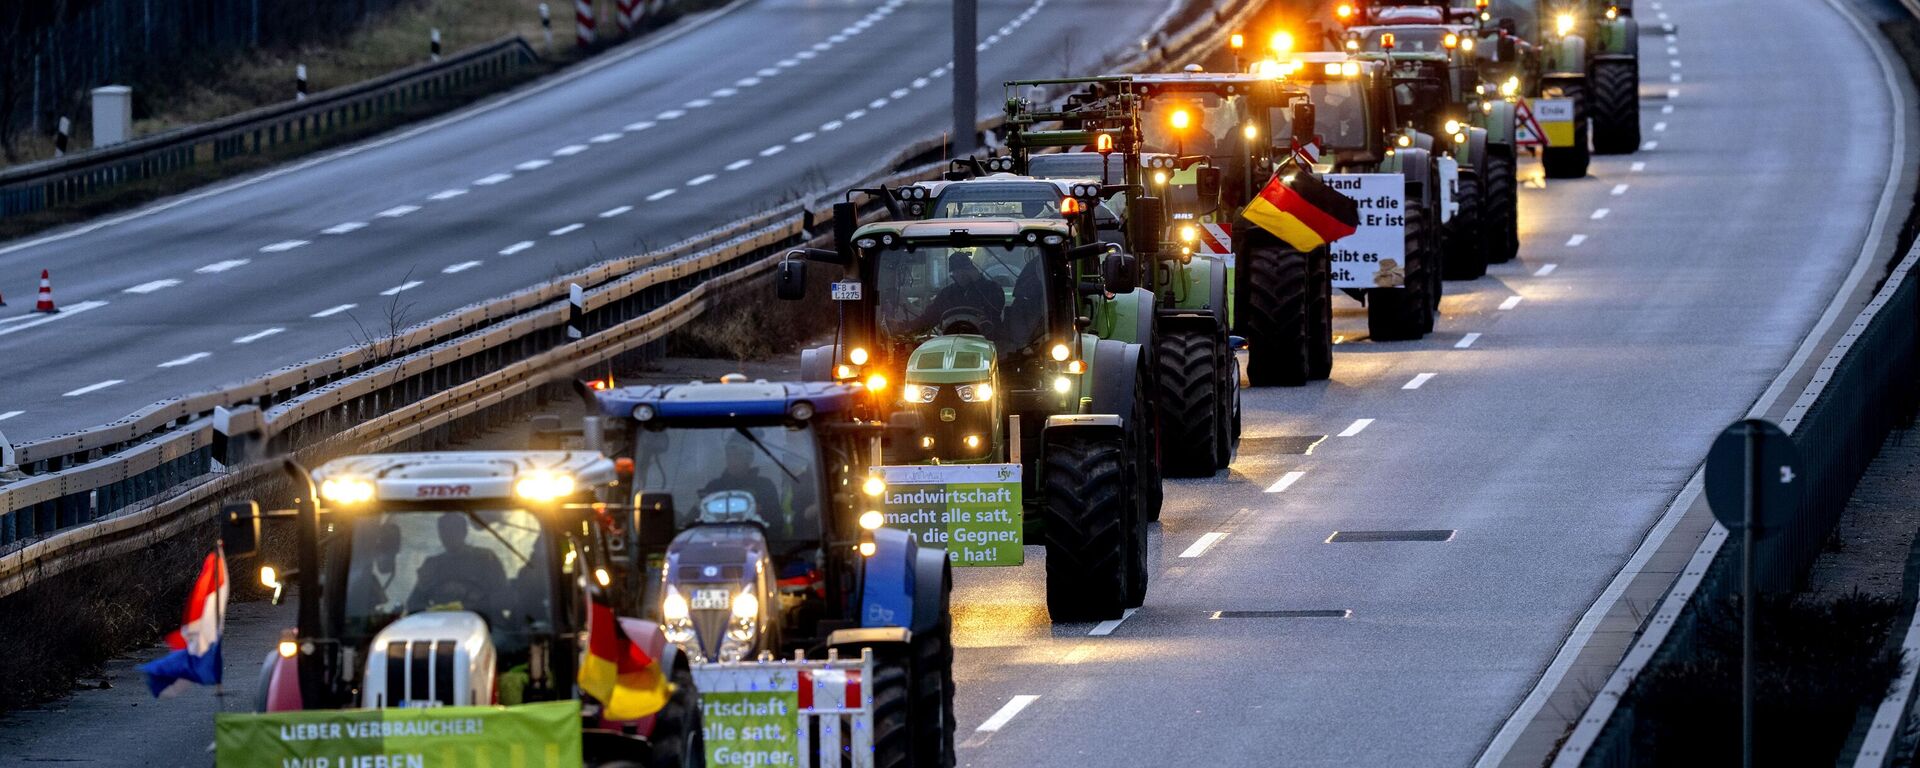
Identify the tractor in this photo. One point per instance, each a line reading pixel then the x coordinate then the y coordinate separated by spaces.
pixel 756 537
pixel 1437 63
pixel 1580 51
pixel 456 579
pixel 974 335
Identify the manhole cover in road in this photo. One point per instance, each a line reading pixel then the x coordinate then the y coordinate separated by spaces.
pixel 1347 536
pixel 1341 614
pixel 1283 444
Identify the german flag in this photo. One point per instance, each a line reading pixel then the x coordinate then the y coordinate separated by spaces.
pixel 1302 210
pixel 616 671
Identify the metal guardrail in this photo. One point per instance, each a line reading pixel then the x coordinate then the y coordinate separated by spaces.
pixel 50 183
pixel 100 492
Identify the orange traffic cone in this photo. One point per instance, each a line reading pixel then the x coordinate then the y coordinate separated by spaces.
pixel 45 304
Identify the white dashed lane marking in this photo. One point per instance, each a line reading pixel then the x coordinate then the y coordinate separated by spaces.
pixel 1599 214
pixel 615 211
pixel 773 150
pixel 333 310
pixel 803 138
pixel 180 361
pixel 1466 341
pixel 258 335
pixel 516 248
pixel 1107 627
pixel 447 194
pixel 1659 126
pixel 398 289
pixel 1619 189
pixel 533 165
pixel 1286 481
pixel 151 286
pixel 397 211
pixel 570 150
pixel 661 195
pixel 282 246
pixel 1576 240
pixel 604 138
pixel 453 269
pixel 639 126
pixel 1355 427
pixel 1418 381
pixel 1005 715
pixel 1638 166
pixel 222 266
pixel 1545 270
pixel 1650 145
pixel 491 179
pixel 738 164
pixel 1511 302
pixel 570 228
pixel 671 114
pixel 10 414
pixel 93 388
pixel 701 179
pixel 1201 545
pixel 343 228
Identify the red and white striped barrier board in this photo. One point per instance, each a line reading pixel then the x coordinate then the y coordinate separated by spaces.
pixel 583 22
pixel 831 707
pixel 628 13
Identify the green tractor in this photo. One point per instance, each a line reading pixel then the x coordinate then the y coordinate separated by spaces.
pixel 1363 136
pixel 973 336
pixel 1587 56
pixel 1437 67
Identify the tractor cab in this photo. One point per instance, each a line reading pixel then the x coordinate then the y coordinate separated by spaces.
pixel 1354 112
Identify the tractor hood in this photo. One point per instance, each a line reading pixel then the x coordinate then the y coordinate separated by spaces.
pixel 715 562
pixel 962 359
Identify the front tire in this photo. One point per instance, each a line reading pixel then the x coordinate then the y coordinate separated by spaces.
pixel 932 710
pixel 1570 162
pixel 1501 225
pixel 1277 323
pixel 1086 528
pixel 1616 106
pixel 1405 313
pixel 678 741
pixel 1319 318
pixel 1466 254
pixel 1188 402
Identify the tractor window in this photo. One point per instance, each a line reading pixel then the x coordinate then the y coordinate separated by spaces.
pixel 493 562
pixel 1418 39
pixel 993 290
pixel 1524 13
pixel 1193 123
pixel 766 475
pixel 1077 165
pixel 1029 200
pixel 1340 114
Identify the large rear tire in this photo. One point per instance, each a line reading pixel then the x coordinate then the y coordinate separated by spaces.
pixel 678 741
pixel 1086 528
pixel 1616 106
pixel 1502 222
pixel 932 711
pixel 1405 313
pixel 1320 316
pixel 1277 323
pixel 1466 253
pixel 1188 402
pixel 892 702
pixel 1144 431
pixel 1570 162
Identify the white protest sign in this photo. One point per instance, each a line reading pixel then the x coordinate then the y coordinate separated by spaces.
pixel 1374 256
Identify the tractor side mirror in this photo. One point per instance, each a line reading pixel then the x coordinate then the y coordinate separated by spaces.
pixel 240 528
pixel 1144 222
pixel 1303 122
pixel 1207 181
pixel 846 219
pixel 653 520
pixel 1120 270
pixel 790 280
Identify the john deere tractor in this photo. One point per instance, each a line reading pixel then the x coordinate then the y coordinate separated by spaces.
pixel 973 336
pixel 1581 51
pixel 1436 64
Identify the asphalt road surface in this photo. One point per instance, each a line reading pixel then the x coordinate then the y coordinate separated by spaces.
pixel 641 148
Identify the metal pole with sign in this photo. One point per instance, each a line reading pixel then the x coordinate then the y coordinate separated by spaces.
pixel 966 87
pixel 1752 489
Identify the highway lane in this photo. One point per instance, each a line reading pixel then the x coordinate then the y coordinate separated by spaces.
pixel 1564 401
pixel 774 98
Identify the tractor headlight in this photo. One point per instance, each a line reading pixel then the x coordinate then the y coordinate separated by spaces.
pixel 543 485
pixel 674 608
pixel 1062 384
pixel 1160 178
pixel 1350 69
pixel 1187 235
pixel 1466 44
pixel 347 490
pixel 872 519
pixel 876 383
pixel 1563 23
pixel 857 356
pixel 677 625
pixel 1404 141
pixel 746 606
pixel 1453 126
pixel 919 393
pixel 874 486
pixel 1613 12
pixel 1060 353
pixel 1510 87
pixel 975 393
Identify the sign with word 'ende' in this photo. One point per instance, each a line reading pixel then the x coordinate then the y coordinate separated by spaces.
pixel 1375 255
pixel 971 509
pixel 544 735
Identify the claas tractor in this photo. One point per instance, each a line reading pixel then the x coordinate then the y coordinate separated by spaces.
pixel 758 538
pixel 973 336
pixel 1436 64
pixel 457 579
pixel 1363 133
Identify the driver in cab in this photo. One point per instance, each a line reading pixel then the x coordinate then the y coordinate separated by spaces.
pixel 462 574
pixel 969 293
pixel 740 474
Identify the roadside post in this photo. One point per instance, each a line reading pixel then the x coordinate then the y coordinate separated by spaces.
pixel 1754 489
pixel 966 86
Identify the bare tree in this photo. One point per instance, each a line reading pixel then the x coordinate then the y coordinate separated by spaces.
pixel 20 24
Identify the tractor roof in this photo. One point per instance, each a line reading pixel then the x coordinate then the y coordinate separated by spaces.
pixel 1410 14
pixel 984 226
pixel 1061 186
pixel 458 475
pixel 725 400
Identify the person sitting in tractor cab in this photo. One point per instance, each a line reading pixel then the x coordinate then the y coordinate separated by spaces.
pixel 461 574
pixel 741 475
pixel 970 302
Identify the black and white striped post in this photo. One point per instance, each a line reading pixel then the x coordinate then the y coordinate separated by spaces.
pixel 62 136
pixel 546 25
pixel 299 82
pixel 435 47
pixel 576 311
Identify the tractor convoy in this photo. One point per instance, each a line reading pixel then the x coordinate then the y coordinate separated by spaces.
pixel 759 573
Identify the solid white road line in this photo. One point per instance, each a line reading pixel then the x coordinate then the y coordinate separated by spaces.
pixel 333 310
pixel 574 227
pixel 65 312
pixel 773 150
pixel 533 165
pixel 701 179
pixel 1621 189
pixel 1201 545
pixel 446 194
pixel 516 248
pixel 397 211
pixel 1355 427
pixel 661 195
pixel 1546 269
pixel 491 179
pixel 10 414
pixel 738 164
pixel 1006 713
pixel 604 138
pixel 257 335
pixel 222 266
pixel 1418 381
pixel 150 287
pixel 180 361
pixel 282 246
pixel 453 269
pixel 1511 302
pixel 93 387
pixel 1286 481
pixel 1466 341
pixel 1107 627
pixel 1576 240
pixel 343 228
pixel 396 290
pixel 1600 213
pixel 570 150
pixel 615 211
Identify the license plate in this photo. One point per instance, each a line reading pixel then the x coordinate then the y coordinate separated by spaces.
pixel 846 291
pixel 710 600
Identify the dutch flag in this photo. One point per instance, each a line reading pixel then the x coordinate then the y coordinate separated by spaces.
pixel 196 645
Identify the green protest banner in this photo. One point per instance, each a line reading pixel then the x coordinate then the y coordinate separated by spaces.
pixel 544 735
pixel 971 509
pixel 752 728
